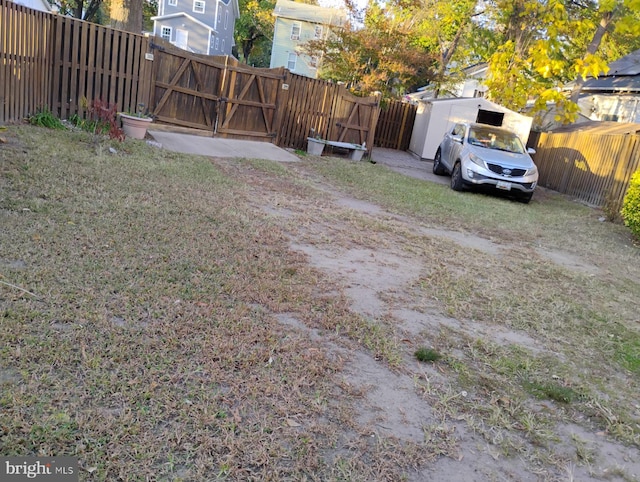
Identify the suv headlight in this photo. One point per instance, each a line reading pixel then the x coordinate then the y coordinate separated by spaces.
pixel 533 170
pixel 476 160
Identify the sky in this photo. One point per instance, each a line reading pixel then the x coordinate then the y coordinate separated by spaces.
pixel 339 3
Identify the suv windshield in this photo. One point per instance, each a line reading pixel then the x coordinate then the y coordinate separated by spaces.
pixel 499 140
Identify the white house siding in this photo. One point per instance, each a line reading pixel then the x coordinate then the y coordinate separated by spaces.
pixel 617 108
pixel 198 35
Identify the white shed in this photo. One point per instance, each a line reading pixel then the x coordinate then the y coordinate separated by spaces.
pixel 435 117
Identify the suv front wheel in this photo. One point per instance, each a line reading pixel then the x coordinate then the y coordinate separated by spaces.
pixel 457 183
pixel 438 169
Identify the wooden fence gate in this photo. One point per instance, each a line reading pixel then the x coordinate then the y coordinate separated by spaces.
pixel 214 93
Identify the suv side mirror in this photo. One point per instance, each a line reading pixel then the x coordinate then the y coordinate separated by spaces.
pixel 531 150
pixel 457 139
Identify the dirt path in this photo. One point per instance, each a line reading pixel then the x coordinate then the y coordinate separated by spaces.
pixel 376 276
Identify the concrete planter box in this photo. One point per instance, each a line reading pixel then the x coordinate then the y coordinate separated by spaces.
pixel 315 146
pixel 134 126
pixel 357 154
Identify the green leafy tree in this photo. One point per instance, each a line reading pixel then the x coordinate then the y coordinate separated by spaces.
pixel 130 15
pixel 254 32
pixel 89 10
pixel 386 53
pixel 149 9
pixel 446 29
pixel 631 205
pixel 540 46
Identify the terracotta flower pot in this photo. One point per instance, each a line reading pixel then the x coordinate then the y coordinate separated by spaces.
pixel 134 126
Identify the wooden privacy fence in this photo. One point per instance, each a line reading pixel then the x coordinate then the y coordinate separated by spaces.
pixel 93 62
pixel 25 60
pixel 313 107
pixel 55 61
pixel 593 168
pixel 64 64
pixel 229 99
pixel 395 125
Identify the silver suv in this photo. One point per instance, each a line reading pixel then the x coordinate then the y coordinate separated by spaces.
pixel 483 155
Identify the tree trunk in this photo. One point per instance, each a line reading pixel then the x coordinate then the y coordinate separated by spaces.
pixel 127 15
pixel 591 49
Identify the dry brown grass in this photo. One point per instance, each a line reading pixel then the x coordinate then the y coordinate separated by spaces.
pixel 150 349
pixel 149 343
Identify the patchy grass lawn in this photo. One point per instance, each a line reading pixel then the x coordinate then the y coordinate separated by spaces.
pixel 143 295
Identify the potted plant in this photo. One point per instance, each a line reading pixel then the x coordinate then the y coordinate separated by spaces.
pixel 135 125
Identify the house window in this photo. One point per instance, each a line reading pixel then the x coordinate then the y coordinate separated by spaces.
pixel 318 32
pixel 222 46
pixel 226 19
pixel 165 33
pixel 313 62
pixel 198 6
pixel 295 30
pixel 173 3
pixel 291 63
pixel 217 43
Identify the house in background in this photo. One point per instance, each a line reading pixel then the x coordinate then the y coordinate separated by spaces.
pixel 297 23
pixel 471 86
pixel 614 96
pixel 198 26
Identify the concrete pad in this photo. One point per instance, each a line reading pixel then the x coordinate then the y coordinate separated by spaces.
pixel 408 164
pixel 216 147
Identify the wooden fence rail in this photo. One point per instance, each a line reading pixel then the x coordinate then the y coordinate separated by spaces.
pixel 592 168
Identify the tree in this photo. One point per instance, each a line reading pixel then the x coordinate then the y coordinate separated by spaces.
pixel 446 29
pixel 149 9
pixel 129 15
pixel 89 10
pixel 126 15
pixel 539 46
pixel 386 54
pixel 254 31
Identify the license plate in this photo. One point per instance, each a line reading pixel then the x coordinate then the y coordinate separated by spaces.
pixel 504 185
